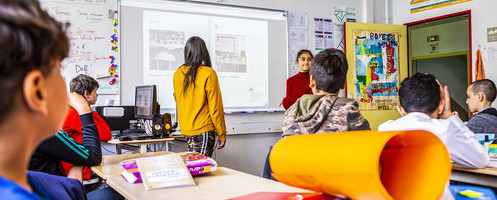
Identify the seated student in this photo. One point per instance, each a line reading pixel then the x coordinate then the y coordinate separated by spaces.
pixel 85 86
pixel 61 147
pixel 425 105
pixel 481 94
pixel 324 111
pixel 298 85
pixel 34 99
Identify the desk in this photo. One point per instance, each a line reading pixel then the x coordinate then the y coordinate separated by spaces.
pixel 110 166
pixel 141 143
pixel 486 176
pixel 224 183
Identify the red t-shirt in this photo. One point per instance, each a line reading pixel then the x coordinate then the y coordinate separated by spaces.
pixel 296 86
pixel 72 126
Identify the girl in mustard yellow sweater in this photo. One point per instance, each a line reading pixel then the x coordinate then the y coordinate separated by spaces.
pixel 198 99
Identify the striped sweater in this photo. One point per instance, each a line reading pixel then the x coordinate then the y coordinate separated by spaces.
pixel 61 147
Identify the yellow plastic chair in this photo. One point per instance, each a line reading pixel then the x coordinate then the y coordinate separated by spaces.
pixel 365 164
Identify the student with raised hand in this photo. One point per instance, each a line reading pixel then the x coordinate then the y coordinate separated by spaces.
pixel 34 99
pixel 85 86
pixel 481 94
pixel 323 111
pixel 198 100
pixel 425 105
pixel 298 85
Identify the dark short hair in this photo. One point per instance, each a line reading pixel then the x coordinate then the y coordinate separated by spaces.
pixel 82 83
pixel 329 70
pixel 420 93
pixel 30 39
pixel 302 52
pixel 485 86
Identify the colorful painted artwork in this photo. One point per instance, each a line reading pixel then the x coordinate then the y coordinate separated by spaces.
pixel 376 70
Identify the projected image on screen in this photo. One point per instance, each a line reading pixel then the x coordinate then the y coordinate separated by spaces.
pixel 230 53
pixel 242 44
pixel 166 49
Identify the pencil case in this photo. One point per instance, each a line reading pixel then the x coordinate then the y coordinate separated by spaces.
pixel 131 173
pixel 198 164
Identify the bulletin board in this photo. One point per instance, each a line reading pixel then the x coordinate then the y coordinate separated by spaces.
pixel 94 40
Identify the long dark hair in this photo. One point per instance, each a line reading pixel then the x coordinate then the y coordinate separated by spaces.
pixel 196 54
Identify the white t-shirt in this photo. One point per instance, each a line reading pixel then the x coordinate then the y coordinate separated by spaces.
pixel 464 149
pixel 462 145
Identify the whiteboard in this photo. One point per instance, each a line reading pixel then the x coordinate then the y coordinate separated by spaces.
pixel 230 32
pixel 94 40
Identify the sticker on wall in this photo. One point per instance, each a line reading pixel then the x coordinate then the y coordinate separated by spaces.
pixel 492 34
pixel 434 48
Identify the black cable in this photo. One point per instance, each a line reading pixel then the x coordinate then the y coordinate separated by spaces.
pixel 108 150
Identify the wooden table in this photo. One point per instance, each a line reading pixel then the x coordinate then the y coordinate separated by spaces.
pixel 486 176
pixel 110 166
pixel 141 143
pixel 224 183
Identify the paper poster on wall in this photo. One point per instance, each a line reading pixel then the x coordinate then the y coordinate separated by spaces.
pixel 328 41
pixel 293 68
pixel 423 5
pixel 323 37
pixel 351 14
pixel 319 42
pixel 318 25
pixel 318 34
pixel 327 26
pixel 339 17
pixel 297 20
pixel 297 38
pixel 376 69
pixel 491 53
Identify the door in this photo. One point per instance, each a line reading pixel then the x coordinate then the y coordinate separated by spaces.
pixel 377 56
pixel 441 47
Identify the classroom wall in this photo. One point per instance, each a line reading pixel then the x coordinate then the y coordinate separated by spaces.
pixel 447 32
pixel 247 152
pixel 315 8
pixel 483 16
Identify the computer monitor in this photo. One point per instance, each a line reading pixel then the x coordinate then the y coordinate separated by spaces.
pixel 146 102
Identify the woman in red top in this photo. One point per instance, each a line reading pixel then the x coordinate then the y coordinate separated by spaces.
pixel 298 85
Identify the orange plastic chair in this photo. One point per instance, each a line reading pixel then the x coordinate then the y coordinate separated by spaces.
pixel 364 164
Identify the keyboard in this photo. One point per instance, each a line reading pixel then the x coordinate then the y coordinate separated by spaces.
pixel 138 130
pixel 128 135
